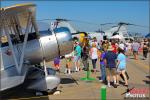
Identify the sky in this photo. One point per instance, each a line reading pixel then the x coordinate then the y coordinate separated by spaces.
pixel 96 12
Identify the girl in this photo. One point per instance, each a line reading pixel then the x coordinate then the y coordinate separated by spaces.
pixel 94 56
pixel 68 59
pixel 121 66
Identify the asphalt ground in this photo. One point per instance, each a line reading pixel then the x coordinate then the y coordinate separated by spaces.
pixel 72 87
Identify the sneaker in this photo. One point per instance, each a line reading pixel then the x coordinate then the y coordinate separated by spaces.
pixel 69 73
pixel 109 85
pixel 76 70
pixel 115 86
pixel 100 80
pixel 126 85
pixel 79 69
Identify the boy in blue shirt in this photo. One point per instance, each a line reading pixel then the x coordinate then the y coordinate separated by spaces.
pixel 110 61
pixel 77 55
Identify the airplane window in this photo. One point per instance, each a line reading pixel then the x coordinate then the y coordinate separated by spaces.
pixel 3 41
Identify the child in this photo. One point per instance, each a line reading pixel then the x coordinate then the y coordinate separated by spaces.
pixel 121 66
pixel 56 63
pixel 68 59
pixel 94 56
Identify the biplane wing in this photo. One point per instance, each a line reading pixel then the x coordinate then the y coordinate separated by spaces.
pixel 17 14
pixel 26 49
pixel 13 20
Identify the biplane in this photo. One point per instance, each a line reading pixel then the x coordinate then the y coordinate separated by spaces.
pixel 24 49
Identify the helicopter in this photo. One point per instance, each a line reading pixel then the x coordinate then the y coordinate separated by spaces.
pixel 120 29
pixel 76 32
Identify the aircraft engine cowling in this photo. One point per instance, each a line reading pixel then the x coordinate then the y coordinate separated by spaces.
pixel 50 45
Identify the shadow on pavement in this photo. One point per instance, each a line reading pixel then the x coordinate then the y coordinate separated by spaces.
pixel 67 81
pixel 21 94
pixel 148 77
pixel 146 81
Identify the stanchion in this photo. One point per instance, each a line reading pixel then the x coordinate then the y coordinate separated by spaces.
pixel 103 93
pixel 88 78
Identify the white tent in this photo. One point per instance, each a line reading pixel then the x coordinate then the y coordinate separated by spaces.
pixel 116 37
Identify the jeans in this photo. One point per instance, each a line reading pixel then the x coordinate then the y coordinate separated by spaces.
pixel 94 63
pixel 103 72
pixel 85 64
pixel 145 52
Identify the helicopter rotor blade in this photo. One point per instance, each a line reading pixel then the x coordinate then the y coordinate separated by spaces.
pixel 139 25
pixel 123 23
pixel 106 23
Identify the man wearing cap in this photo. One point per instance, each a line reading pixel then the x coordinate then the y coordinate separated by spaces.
pixel 110 61
pixel 77 55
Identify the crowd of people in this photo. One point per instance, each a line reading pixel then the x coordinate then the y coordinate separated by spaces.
pixel 110 54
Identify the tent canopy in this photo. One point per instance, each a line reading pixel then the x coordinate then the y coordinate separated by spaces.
pixel 116 37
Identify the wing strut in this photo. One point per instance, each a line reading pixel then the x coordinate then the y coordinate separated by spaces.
pixel 5 26
pixel 25 42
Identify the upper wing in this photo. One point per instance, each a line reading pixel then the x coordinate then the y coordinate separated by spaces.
pixel 16 15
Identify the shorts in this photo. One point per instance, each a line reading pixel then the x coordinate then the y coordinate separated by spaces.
pixel 119 70
pixel 68 59
pixel 135 52
pixel 76 58
pixel 56 65
pixel 110 71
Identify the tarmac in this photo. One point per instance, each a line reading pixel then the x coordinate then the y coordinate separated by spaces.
pixel 73 88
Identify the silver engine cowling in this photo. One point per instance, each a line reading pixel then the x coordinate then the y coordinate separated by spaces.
pixel 50 45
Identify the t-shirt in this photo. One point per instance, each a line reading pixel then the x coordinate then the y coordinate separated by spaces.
pixel 128 46
pixel 102 58
pixel 111 59
pixel 122 58
pixel 135 46
pixel 145 47
pixel 56 60
pixel 94 54
pixel 78 51
pixel 115 48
